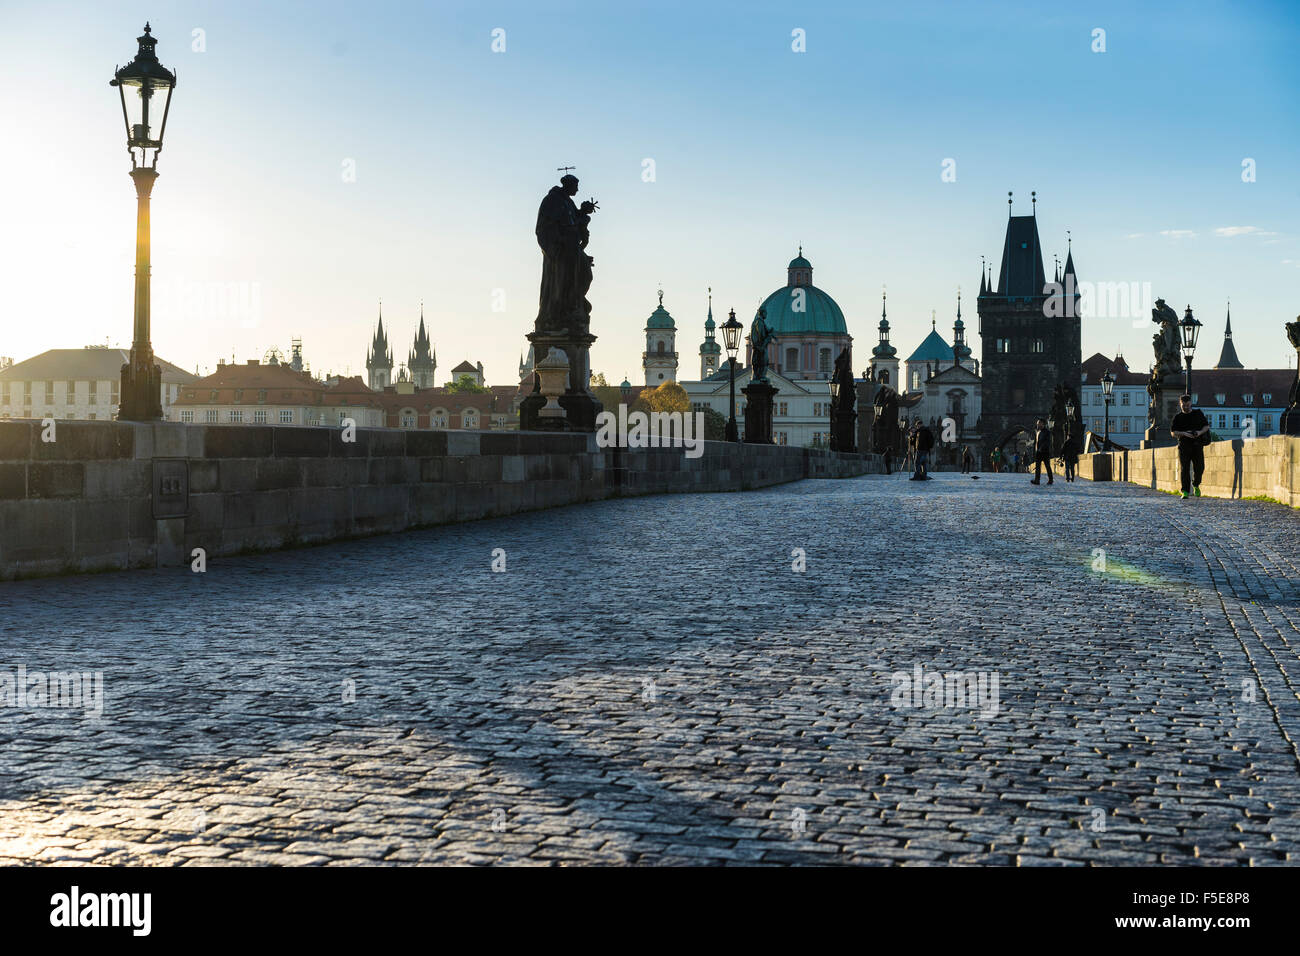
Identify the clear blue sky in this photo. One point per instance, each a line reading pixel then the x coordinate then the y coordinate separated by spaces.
pixel 1137 151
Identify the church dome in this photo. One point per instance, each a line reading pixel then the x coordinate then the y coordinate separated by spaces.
pixel 817 312
pixel 932 348
pixel 659 318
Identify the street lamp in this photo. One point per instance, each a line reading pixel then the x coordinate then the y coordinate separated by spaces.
pixel 151 86
pixel 1191 330
pixel 1107 393
pixel 731 339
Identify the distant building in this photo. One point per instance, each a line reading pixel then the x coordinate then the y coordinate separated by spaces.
pixel 659 360
pixel 808 327
pixel 473 370
pixel 76 384
pixel 275 394
pixel 1233 397
pixel 1030 334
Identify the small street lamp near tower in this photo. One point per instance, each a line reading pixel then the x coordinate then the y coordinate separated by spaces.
pixel 731 330
pixel 144 111
pixel 1108 393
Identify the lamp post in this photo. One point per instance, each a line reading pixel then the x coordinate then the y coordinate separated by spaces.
pixel 1191 330
pixel 1107 394
pixel 731 338
pixel 149 82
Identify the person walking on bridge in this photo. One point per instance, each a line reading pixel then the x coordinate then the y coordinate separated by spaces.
pixel 1192 429
pixel 1042 453
pixel 967 459
pixel 924 442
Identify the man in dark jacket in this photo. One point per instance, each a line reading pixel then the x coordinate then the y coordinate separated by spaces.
pixel 1042 453
pixel 1190 426
pixel 924 442
pixel 967 459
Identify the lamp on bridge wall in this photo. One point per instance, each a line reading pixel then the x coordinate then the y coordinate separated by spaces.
pixel 1108 395
pixel 731 339
pixel 144 111
pixel 1191 331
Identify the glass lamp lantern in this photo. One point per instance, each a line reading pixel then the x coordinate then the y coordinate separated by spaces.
pixel 145 86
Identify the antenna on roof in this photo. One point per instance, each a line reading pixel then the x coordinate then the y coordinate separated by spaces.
pixel 1008 203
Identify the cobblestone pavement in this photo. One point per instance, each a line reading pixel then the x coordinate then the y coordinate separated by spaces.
pixel 650 681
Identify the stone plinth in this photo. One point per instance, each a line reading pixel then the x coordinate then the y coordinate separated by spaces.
pixel 758 412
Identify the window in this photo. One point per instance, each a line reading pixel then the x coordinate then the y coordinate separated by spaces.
pixel 660 347
pixel 1236 421
pixel 72 393
pixel 791 359
pixel 438 418
pixel 286 416
pixel 1123 398
pixel 210 416
pixel 824 361
pixel 236 416
pixel 1223 421
pixel 782 438
pixel 239 395
pixel 261 396
pixel 1037 346
pixel 1268 422
pixel 1268 399
pixel 1002 345
pixel 469 418
pixel 1248 398
pixel 212 395
pixel 92 416
pixel 407 417
pixel 1097 398
pixel 187 415
pixel 783 408
pixel 259 416
pixel 1219 397
pixel 25 388
pixel 916 380
pixel 93 398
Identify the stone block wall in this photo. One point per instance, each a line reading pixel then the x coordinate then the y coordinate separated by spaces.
pixel 95 498
pixel 1240 468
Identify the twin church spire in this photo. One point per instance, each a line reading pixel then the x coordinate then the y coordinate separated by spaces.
pixel 421 362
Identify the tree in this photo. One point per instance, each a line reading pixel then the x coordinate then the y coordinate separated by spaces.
pixel 466 383
pixel 669 397
pixel 598 379
pixel 715 425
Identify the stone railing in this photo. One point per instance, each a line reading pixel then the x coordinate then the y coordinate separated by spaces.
pixel 112 495
pixel 1240 468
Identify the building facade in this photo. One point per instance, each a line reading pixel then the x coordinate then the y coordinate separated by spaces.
pixel 77 384
pixel 274 394
pixel 807 325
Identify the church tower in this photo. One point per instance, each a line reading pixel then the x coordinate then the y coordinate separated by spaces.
pixel 379 360
pixel 659 360
pixel 1029 332
pixel 1228 355
pixel 710 350
pixel 884 357
pixel 422 361
pixel 960 350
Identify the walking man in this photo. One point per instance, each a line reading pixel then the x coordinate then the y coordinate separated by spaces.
pixel 924 442
pixel 1071 456
pixel 995 456
pixel 1042 453
pixel 889 460
pixel 967 459
pixel 1192 429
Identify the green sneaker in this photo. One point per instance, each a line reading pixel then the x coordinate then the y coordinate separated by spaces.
pixel 1196 490
pixel 1182 494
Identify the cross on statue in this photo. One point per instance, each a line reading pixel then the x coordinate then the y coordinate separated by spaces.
pixel 565 169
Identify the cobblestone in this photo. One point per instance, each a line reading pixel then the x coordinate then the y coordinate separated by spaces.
pixel 651 683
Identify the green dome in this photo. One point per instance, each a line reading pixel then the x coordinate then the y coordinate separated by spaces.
pixel 626 384
pixel 710 346
pixel 932 348
pixel 799 262
pixel 819 312
pixel 660 319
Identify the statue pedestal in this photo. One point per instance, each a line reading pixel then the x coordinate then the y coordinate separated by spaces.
pixel 1164 408
pixel 844 431
pixel 1290 421
pixel 580 406
pixel 758 412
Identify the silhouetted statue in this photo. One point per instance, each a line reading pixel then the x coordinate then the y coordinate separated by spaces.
pixel 760 336
pixel 1166 342
pixel 566 268
pixel 848 395
pixel 1290 424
